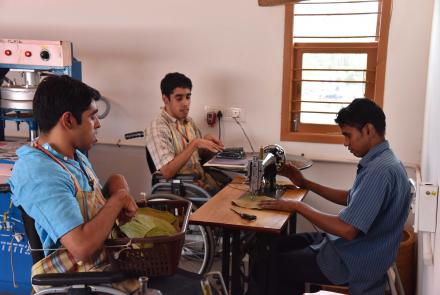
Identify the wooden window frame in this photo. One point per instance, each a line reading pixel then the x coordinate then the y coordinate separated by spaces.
pixel 376 64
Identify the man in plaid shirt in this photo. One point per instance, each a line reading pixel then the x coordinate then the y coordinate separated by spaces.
pixel 174 141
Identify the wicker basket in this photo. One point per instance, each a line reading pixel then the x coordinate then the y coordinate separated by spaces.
pixel 162 256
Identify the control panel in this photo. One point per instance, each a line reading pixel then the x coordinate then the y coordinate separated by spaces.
pixel 36 52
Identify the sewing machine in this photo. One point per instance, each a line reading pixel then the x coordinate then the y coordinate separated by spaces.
pixel 261 171
pixel 22 64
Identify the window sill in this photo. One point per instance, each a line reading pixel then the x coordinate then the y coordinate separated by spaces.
pixel 312 137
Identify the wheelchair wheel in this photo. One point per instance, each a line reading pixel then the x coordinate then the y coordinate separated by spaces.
pixel 198 249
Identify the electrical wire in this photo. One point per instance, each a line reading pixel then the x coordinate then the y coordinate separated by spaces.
pixel 220 128
pixel 244 132
pixel 12 265
pixel 219 115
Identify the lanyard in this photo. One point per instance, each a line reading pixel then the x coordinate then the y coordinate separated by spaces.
pixel 185 136
pixel 89 179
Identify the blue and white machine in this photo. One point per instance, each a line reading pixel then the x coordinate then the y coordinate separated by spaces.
pixel 23 63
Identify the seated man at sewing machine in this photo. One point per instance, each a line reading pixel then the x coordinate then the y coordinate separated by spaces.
pixel 173 140
pixel 359 244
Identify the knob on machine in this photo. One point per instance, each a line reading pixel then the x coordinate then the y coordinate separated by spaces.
pixel 45 55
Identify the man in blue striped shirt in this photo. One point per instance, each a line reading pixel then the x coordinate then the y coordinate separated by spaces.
pixel 361 242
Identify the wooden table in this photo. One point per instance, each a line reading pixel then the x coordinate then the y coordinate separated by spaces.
pixel 216 212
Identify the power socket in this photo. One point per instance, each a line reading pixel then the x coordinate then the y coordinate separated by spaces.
pixel 229 113
pixel 235 112
pixel 211 118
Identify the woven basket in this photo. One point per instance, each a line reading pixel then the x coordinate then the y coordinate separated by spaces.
pixel 162 255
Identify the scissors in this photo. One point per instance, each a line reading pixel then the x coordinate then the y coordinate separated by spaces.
pixel 246 216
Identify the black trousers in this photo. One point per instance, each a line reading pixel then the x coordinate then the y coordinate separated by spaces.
pixel 287 265
pixel 182 283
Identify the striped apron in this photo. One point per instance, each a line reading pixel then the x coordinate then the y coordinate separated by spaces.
pixel 61 261
pixel 184 135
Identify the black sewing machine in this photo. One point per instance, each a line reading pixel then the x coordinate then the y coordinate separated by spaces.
pixel 261 172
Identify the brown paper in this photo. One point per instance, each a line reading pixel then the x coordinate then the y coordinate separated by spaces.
pixel 247 200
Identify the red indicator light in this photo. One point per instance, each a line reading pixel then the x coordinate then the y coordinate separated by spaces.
pixel 28 53
pixel 8 52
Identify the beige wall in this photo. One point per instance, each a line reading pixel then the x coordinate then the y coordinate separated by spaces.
pixel 430 168
pixel 231 49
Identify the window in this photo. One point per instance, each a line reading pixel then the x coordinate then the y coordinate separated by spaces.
pixel 334 52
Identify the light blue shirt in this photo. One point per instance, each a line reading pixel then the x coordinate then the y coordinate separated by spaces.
pixel 378 206
pixel 47 192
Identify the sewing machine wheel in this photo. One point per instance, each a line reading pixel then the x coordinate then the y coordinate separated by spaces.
pixel 278 152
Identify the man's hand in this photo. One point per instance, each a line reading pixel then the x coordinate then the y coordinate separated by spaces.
pixel 210 145
pixel 290 171
pixel 84 240
pixel 281 205
pixel 129 206
pixel 213 139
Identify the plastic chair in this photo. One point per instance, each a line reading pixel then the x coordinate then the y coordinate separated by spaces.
pixel 392 278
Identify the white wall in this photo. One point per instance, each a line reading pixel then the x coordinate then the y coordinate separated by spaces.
pixel 430 169
pixel 231 49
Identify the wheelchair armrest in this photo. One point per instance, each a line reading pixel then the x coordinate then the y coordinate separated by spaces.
pixel 158 177
pixel 78 278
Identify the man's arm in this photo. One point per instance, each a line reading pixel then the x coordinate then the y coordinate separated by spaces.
pixel 327 222
pixel 206 155
pixel 84 240
pixel 331 194
pixel 114 183
pixel 334 195
pixel 171 168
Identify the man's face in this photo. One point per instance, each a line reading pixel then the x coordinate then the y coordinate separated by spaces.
pixel 86 131
pixel 358 142
pixel 177 104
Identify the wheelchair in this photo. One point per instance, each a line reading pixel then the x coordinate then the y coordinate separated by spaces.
pixel 87 283
pixel 200 241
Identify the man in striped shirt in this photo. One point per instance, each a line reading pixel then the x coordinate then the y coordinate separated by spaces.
pixel 360 243
pixel 174 141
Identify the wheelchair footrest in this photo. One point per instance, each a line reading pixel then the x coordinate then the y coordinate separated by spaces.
pixel 78 278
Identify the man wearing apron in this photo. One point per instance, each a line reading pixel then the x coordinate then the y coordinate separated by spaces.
pixel 55 183
pixel 173 140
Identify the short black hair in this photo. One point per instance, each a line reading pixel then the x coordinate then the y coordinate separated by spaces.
pixel 56 95
pixel 173 80
pixel 360 112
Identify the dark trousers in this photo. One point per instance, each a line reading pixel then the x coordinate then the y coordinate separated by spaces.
pixel 287 266
pixel 182 283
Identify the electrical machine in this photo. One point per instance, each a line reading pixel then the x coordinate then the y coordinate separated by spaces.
pixel 23 63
